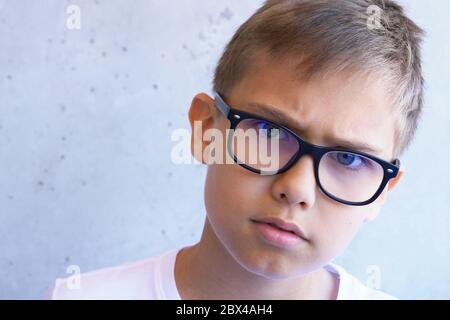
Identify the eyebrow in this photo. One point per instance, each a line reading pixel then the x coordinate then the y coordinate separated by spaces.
pixel 272 113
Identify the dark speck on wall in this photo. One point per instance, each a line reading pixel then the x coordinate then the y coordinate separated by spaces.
pixel 83 183
pixel 169 124
pixel 9 77
pixel 11 263
pixel 124 49
pixel 91 41
pixel 62 157
pixel 63 138
pixel 63 41
pixel 40 183
pixel 155 86
pixel 103 54
pixel 10 197
pixel 226 14
pixel 62 107
pixel 169 174
pixel 193 55
pixel 163 232
pixel 66 259
pixel 92 89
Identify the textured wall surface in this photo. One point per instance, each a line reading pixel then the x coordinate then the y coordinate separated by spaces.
pixel 86 117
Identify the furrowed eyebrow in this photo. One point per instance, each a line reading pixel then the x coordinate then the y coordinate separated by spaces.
pixel 357 146
pixel 273 114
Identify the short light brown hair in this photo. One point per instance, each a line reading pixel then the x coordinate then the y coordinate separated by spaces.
pixel 334 35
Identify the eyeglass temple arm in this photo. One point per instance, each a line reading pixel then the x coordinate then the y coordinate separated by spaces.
pixel 223 107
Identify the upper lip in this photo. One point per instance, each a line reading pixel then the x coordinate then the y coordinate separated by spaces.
pixel 283 224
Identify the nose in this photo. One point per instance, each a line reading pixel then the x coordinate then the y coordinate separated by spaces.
pixel 297 186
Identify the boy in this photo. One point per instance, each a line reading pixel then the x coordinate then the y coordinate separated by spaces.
pixel 338 86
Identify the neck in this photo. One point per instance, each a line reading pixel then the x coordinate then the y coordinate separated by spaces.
pixel 208 271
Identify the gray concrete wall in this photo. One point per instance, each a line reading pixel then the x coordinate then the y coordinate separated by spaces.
pixel 86 117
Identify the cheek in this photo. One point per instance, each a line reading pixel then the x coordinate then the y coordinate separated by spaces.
pixel 233 191
pixel 233 196
pixel 224 197
pixel 231 201
pixel 336 226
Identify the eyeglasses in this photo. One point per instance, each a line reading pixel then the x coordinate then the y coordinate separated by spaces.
pixel 347 176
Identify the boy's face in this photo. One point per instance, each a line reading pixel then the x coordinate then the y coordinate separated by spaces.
pixel 340 106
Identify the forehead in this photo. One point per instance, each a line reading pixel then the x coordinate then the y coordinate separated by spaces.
pixel 346 106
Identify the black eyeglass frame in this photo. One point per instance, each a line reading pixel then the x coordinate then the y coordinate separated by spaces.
pixel 235 116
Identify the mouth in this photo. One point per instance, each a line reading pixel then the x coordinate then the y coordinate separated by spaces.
pixel 280 232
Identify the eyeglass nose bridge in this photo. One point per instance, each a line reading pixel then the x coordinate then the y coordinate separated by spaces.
pixel 305 148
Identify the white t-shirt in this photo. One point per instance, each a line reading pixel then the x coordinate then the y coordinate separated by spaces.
pixel 154 279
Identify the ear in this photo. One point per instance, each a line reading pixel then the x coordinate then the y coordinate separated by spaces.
pixel 380 201
pixel 202 114
pixel 393 182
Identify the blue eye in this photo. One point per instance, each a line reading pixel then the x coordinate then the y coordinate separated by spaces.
pixel 350 160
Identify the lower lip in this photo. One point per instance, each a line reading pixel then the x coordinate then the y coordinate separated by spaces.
pixel 278 237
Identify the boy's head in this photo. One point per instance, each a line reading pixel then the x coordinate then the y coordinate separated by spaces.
pixel 339 70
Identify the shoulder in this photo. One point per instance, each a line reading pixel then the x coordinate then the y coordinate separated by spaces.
pixel 351 288
pixel 127 281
